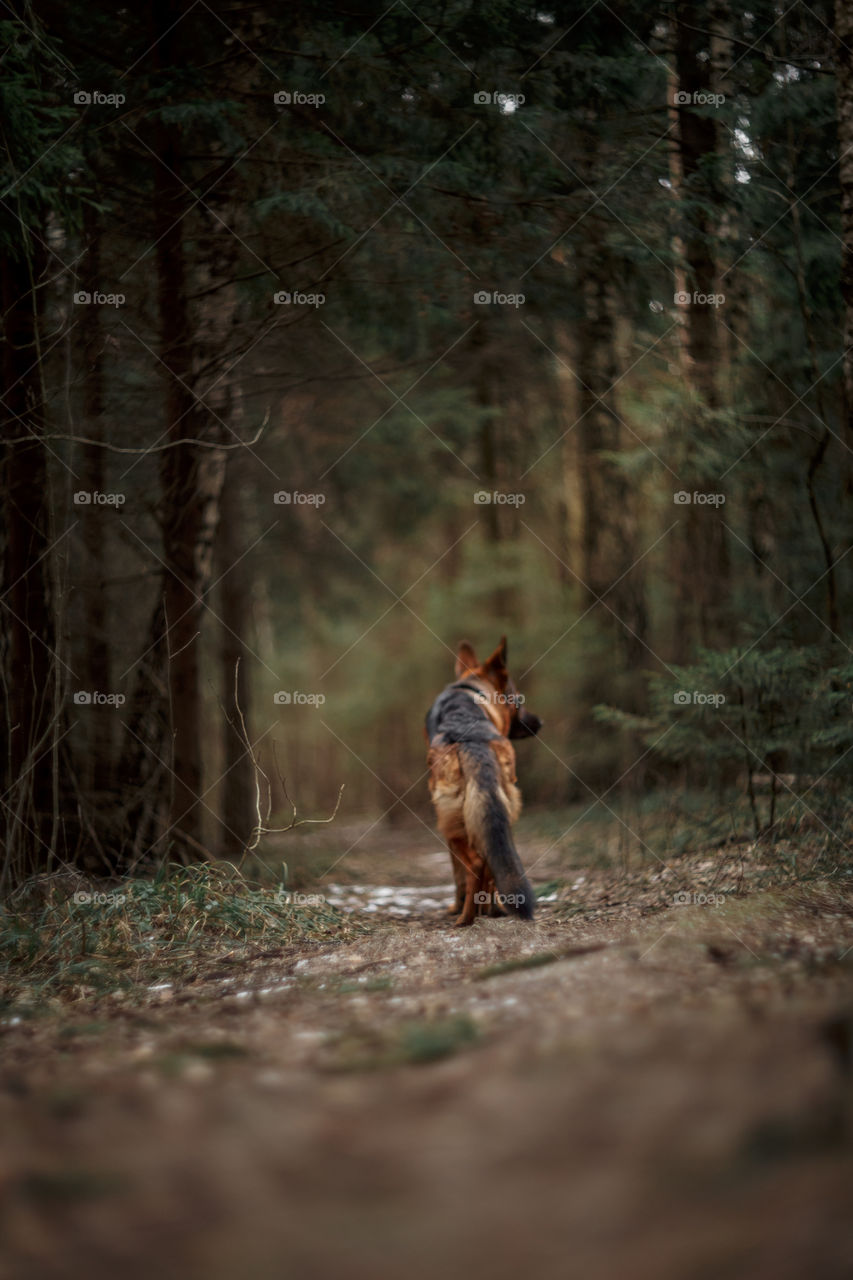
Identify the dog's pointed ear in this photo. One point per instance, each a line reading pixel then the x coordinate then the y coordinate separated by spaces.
pixel 466 660
pixel 495 668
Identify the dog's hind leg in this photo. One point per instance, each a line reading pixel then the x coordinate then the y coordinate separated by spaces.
pixel 476 873
pixel 459 861
pixel 469 908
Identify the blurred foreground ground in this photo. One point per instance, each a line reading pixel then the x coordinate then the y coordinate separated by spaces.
pixel 670 1098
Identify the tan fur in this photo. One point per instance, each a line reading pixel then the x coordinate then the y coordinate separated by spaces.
pixel 447 790
pixel 460 804
pixel 459 807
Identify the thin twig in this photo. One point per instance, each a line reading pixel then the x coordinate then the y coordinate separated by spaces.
pixel 153 448
pixel 261 829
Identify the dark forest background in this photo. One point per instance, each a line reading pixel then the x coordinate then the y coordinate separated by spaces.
pixel 245 254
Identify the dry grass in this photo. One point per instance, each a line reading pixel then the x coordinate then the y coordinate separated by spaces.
pixel 60 933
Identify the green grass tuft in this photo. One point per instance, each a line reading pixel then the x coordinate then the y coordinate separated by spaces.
pixel 61 935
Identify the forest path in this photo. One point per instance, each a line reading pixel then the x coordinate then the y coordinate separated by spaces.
pixel 622 1088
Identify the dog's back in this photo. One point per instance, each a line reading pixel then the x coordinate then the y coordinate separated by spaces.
pixel 473 788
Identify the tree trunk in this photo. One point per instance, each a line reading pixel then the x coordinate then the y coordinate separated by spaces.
pixel 702 563
pixel 484 374
pixel 698 144
pixel 29 661
pixel 844 80
pixel 96 662
pixel 235 601
pixel 168 692
pixel 178 479
pixel 608 529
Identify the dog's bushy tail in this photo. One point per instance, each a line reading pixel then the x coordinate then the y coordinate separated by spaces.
pixel 488 827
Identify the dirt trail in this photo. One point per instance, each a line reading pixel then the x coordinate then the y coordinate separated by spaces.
pixel 614 1091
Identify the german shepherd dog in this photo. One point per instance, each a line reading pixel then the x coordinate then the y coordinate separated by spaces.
pixel 472 784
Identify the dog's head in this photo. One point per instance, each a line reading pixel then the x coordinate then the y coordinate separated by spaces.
pixel 494 680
